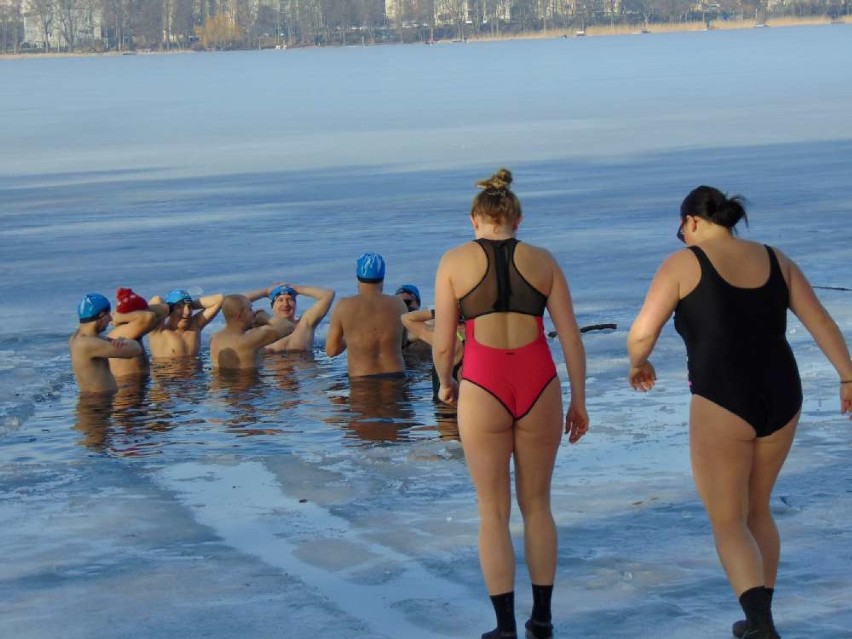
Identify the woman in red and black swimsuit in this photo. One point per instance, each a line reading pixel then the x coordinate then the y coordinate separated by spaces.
pixel 509 399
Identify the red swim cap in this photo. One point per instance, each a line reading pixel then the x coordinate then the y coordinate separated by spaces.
pixel 128 301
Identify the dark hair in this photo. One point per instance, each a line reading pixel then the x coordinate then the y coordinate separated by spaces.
pixel 496 201
pixel 712 205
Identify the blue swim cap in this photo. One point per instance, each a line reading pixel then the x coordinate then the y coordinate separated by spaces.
pixel 91 306
pixel 281 290
pixel 371 268
pixel 177 296
pixel 411 290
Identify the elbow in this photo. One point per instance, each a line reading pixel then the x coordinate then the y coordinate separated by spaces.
pixel 332 350
pixel 441 352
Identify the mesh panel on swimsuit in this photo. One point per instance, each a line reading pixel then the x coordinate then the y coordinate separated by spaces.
pixel 502 288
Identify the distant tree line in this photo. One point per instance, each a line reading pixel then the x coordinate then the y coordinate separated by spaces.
pixel 130 25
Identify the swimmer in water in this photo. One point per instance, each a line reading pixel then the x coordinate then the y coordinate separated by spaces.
pixel 411 344
pixel 282 299
pixel 133 319
pixel 90 352
pixel 240 344
pixel 420 326
pixel 367 324
pixel 179 334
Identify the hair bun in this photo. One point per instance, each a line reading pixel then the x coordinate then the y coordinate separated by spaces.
pixel 711 204
pixel 500 181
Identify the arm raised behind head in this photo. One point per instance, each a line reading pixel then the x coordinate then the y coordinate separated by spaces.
pixel 417 325
pixel 335 342
pixel 211 305
pixel 275 329
pixel 323 296
pixel 135 324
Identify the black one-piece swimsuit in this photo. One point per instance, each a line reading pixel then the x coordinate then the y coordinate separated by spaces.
pixel 736 345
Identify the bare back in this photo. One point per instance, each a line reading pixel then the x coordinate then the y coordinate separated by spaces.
pixel 89 360
pixel 371 327
pixel 234 349
pixel 138 365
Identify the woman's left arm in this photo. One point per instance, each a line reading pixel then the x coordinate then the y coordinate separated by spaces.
pixel 807 307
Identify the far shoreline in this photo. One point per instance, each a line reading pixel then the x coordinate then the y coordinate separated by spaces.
pixel 598 30
pixel 593 31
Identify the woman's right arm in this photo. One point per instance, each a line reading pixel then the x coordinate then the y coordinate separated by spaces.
pixel 660 302
pixel 444 334
pixel 810 311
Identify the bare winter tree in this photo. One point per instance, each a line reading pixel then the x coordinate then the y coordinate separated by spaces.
pixel 44 11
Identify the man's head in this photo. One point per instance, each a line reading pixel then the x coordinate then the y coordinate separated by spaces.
pixel 180 305
pixel 370 268
pixel 409 294
pixel 283 301
pixel 94 307
pixel 237 311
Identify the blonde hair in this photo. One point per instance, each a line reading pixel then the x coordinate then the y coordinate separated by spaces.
pixel 496 202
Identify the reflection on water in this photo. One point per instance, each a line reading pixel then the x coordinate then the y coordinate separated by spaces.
pixel 446 421
pixel 241 392
pixel 185 409
pixel 123 423
pixel 374 408
pixel 94 418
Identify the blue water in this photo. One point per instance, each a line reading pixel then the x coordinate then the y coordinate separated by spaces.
pixel 227 172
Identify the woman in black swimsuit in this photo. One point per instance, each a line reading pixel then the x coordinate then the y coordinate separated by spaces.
pixel 730 299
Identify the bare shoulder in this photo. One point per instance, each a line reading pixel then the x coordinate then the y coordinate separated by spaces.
pixel 85 344
pixel 681 257
pixel 538 253
pixel 460 252
pixel 344 302
pixel 680 262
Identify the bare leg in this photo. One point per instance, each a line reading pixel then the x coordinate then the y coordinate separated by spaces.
pixel 769 455
pixel 722 450
pixel 485 427
pixel 537 437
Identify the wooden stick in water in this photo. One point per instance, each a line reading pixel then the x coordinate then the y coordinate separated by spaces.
pixel 591 327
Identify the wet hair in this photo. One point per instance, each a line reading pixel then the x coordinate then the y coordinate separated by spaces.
pixel 496 202
pixel 712 205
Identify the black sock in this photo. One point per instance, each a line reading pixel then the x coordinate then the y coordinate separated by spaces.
pixel 504 608
pixel 757 606
pixel 541 603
